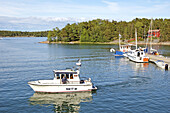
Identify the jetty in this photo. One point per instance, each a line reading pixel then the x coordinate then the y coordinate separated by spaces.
pixel 155 58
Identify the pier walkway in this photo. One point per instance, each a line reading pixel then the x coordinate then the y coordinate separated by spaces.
pixel 154 58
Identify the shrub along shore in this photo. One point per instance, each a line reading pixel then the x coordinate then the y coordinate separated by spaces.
pixel 112 43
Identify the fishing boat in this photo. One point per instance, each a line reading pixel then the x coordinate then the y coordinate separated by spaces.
pixel 162 64
pixel 67 80
pixel 123 49
pixel 138 55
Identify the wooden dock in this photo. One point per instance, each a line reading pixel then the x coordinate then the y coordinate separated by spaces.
pixel 153 58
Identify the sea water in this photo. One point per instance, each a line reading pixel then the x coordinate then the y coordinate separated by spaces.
pixel 123 86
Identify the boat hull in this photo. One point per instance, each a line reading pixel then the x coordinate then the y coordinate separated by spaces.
pixel 139 59
pixel 59 88
pixel 119 53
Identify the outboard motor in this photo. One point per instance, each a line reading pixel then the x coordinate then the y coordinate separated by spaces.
pixel 166 67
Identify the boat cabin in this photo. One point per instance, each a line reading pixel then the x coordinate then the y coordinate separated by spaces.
pixel 69 75
pixel 137 53
pixel 125 48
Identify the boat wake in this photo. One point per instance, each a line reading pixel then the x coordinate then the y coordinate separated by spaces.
pixel 132 81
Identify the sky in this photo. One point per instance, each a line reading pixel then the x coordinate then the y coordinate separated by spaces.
pixel 41 15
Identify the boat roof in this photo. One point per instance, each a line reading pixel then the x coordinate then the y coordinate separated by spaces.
pixel 65 71
pixel 127 45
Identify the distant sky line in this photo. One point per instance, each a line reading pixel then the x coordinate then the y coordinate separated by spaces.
pixel 47 14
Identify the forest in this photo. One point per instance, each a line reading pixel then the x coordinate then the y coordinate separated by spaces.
pixel 106 31
pixel 23 34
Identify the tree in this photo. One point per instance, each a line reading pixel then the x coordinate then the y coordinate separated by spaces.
pixel 49 36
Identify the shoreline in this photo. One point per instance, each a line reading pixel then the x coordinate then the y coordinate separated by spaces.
pixel 109 43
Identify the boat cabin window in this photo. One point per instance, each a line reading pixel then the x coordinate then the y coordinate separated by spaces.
pixel 138 54
pixel 62 75
pixel 67 76
pixel 57 76
pixel 71 76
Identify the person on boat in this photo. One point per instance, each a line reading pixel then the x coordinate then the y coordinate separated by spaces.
pixel 64 80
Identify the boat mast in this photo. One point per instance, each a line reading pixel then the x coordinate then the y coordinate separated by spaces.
pixel 136 37
pixel 145 37
pixel 119 41
pixel 151 35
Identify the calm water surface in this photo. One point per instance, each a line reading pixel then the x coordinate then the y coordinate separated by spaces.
pixel 123 86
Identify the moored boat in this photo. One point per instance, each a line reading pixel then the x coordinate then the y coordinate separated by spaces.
pixel 67 80
pixel 123 49
pixel 138 56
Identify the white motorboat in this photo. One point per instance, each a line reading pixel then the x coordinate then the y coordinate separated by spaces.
pixel 138 56
pixel 162 64
pixel 67 80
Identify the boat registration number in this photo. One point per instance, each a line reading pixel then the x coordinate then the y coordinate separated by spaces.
pixel 71 88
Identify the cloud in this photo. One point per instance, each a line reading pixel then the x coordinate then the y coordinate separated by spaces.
pixel 45 15
pixel 36 23
pixel 112 6
pixel 142 8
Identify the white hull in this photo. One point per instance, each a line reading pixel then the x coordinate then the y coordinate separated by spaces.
pixel 57 88
pixel 139 59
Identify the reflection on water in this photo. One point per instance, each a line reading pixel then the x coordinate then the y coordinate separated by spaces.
pixel 62 102
pixel 139 66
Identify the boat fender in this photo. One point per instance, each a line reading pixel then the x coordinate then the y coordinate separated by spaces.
pixel 112 50
pixel 90 79
pixel 166 67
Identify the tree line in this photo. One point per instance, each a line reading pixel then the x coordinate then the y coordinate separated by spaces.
pixel 23 34
pixel 106 31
